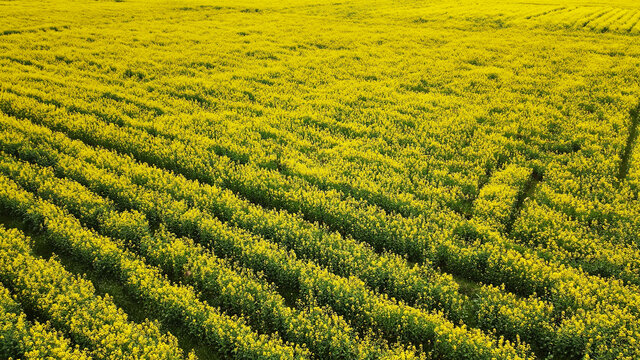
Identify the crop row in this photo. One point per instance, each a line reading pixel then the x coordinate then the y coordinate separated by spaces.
pixel 508 325
pixel 412 284
pixel 70 303
pixel 21 338
pixel 229 335
pixel 260 141
pixel 323 177
pixel 328 336
pixel 112 91
pixel 566 253
pixel 348 297
pixel 416 237
pixel 363 221
pixel 541 226
pixel 558 238
pixel 349 152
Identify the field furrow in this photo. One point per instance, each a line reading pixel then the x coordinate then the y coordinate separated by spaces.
pixel 311 179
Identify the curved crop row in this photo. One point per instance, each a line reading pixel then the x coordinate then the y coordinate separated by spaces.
pixel 338 192
pixel 171 302
pixel 608 266
pixel 533 316
pixel 529 320
pixel 399 197
pixel 228 147
pixel 327 335
pixel 70 303
pixel 20 338
pixel 524 273
pixel 348 297
pixel 342 255
pixel 534 276
pixel 542 226
pixel 419 238
pixel 412 283
pixel 362 221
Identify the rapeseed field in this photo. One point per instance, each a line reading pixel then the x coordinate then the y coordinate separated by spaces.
pixel 313 179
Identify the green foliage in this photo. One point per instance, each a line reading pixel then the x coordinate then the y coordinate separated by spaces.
pixel 322 180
